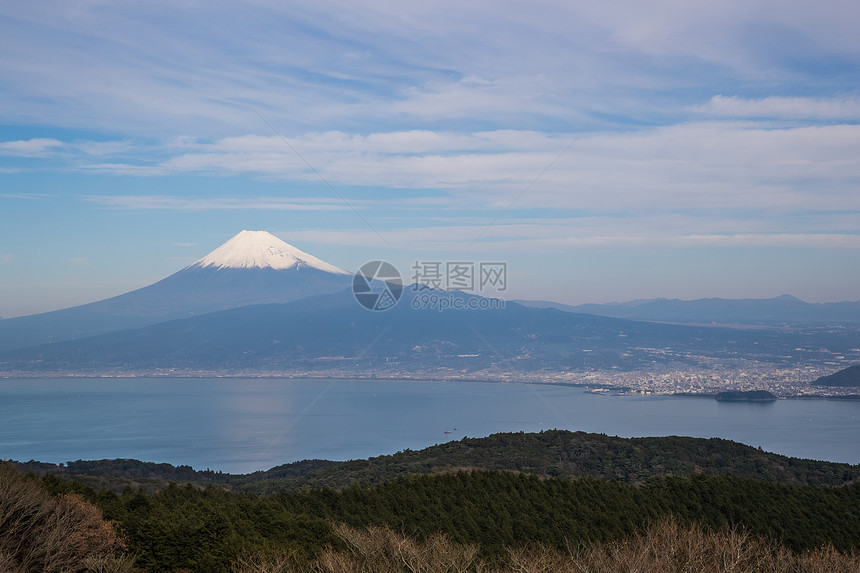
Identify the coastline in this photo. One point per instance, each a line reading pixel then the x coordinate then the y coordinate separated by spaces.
pixel 598 388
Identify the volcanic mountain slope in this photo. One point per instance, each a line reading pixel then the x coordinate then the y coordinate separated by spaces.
pixel 254 267
pixel 334 331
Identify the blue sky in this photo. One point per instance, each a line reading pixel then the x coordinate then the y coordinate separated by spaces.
pixel 605 152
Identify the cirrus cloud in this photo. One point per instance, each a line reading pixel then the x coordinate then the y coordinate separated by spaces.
pixel 780 107
pixel 36 147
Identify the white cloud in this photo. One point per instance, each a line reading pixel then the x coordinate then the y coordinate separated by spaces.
pixel 35 196
pixel 847 108
pixel 161 202
pixel 561 237
pixel 731 169
pixel 818 240
pixel 700 165
pixel 36 147
pixel 103 147
pixel 131 69
pixel 120 168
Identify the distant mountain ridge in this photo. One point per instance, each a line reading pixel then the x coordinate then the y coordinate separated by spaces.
pixel 784 309
pixel 334 331
pixel 254 267
pixel 257 303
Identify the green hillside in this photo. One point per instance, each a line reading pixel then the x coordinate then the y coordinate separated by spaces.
pixel 208 529
pixel 554 453
pixel 501 495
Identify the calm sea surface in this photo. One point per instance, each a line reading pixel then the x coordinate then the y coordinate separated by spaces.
pixel 242 425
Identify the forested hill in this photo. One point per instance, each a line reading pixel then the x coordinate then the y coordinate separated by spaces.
pixel 554 453
pixel 848 377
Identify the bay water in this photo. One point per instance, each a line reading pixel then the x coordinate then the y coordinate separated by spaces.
pixel 242 425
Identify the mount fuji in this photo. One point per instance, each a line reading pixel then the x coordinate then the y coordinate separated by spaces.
pixel 254 267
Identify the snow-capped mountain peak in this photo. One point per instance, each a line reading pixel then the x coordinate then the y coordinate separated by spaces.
pixel 260 249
